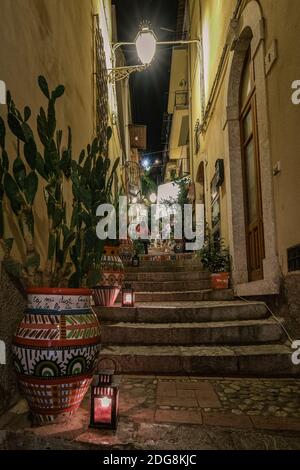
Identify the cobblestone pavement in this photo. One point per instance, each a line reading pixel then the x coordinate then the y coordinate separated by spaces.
pixel 177 413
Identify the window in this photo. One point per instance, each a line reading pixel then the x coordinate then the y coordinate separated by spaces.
pixel 294 258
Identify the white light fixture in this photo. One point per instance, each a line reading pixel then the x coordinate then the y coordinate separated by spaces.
pixel 153 198
pixel 146 163
pixel 145 43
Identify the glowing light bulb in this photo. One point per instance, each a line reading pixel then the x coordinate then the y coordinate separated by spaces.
pixel 105 402
pixel 153 198
pixel 146 44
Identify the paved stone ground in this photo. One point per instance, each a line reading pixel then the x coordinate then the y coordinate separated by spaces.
pixel 176 413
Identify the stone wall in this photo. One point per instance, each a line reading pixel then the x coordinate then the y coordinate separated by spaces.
pixel 291 303
pixel 12 305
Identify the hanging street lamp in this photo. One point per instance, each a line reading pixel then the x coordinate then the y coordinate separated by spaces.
pixel 146 45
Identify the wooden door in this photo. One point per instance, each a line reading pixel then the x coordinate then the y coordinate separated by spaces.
pixel 251 177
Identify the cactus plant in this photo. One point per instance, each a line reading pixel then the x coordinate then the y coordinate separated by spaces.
pixel 72 247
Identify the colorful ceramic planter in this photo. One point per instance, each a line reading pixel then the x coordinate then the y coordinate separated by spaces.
pixel 112 278
pixel 126 251
pixel 55 349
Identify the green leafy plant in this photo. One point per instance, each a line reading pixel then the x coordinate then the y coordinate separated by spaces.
pixel 72 246
pixel 92 182
pixel 215 255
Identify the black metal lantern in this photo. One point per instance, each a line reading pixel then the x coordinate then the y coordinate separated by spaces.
pixel 135 262
pixel 104 400
pixel 128 296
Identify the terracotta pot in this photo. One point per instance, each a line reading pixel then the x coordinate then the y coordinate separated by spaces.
pixel 220 280
pixel 112 277
pixel 55 350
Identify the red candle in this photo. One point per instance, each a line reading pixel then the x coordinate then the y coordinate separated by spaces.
pixel 102 410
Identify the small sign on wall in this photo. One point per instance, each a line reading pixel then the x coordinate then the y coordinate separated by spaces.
pixel 2 92
pixel 2 353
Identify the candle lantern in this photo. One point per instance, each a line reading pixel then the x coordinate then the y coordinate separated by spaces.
pixel 104 400
pixel 128 296
pixel 135 261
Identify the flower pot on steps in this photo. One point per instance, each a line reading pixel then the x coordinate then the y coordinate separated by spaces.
pixel 220 280
pixel 112 278
pixel 55 350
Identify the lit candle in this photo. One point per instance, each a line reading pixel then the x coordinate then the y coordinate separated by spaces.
pixel 102 410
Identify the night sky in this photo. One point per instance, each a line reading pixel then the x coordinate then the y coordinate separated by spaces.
pixel 149 88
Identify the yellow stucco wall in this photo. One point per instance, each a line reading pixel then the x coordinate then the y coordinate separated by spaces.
pixel 282 19
pixel 54 38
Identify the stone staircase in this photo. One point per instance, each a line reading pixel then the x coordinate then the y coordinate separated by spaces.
pixel 180 326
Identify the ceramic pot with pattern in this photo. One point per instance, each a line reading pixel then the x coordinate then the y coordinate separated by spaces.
pixel 126 251
pixel 112 277
pixel 55 349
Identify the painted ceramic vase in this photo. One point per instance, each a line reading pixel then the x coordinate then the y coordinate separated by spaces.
pixel 55 350
pixel 126 251
pixel 112 277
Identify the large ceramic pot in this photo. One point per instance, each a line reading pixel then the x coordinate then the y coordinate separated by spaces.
pixel 112 277
pixel 55 350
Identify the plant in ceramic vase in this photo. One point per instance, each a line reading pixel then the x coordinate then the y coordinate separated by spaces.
pixel 92 180
pixel 215 257
pixel 57 342
pixel 95 263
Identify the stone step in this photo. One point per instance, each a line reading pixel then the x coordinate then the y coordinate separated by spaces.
pixel 183 312
pixel 166 267
pixel 143 276
pixel 272 360
pixel 178 296
pixel 170 286
pixel 185 334
pixel 173 259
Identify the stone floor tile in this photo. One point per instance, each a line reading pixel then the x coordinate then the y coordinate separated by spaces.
pixel 177 401
pixel 185 393
pixel 178 416
pixel 166 389
pixel 207 398
pixel 190 385
pixel 226 420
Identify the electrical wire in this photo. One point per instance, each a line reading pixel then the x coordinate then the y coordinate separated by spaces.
pixel 274 316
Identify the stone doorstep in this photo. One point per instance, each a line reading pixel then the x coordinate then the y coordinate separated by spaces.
pixel 142 276
pixel 182 312
pixel 272 360
pixel 227 332
pixel 196 295
pixel 169 286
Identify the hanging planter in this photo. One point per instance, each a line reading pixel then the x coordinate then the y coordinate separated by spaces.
pixel 55 350
pixel 112 277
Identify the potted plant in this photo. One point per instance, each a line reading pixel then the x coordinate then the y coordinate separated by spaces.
pixel 56 344
pixel 215 257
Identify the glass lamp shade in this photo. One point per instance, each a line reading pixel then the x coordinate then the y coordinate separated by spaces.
pixel 128 297
pixel 104 402
pixel 146 45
